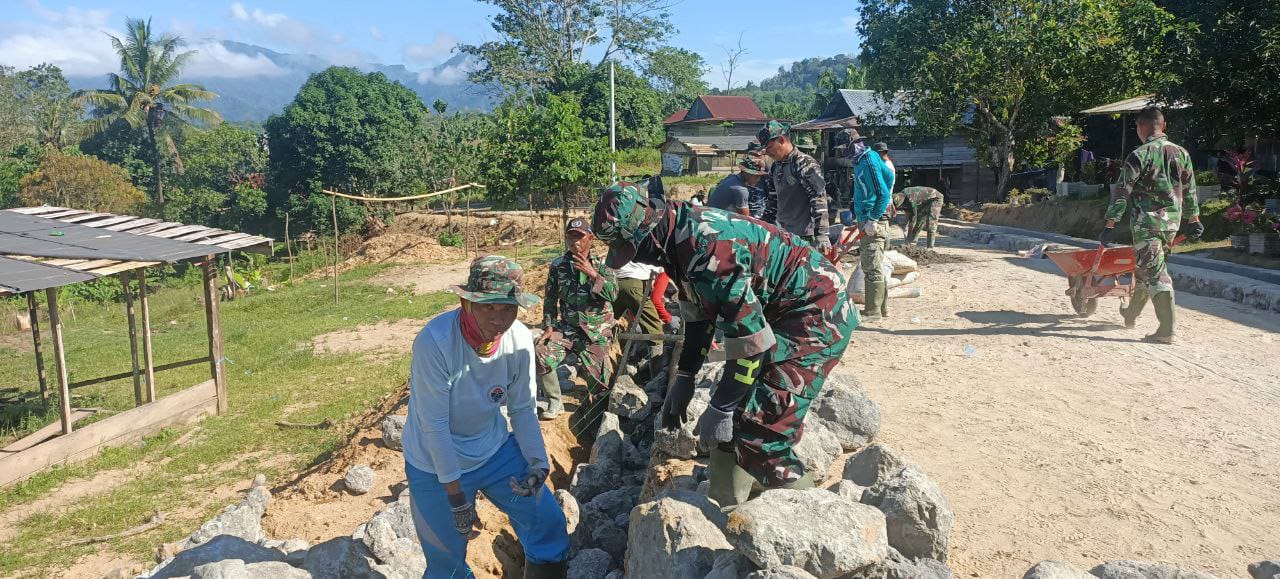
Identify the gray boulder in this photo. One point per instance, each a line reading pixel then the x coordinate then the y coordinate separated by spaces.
pixel 609 440
pixel 243 520
pixel 817 449
pixel 359 479
pixel 339 557
pixel 569 505
pixel 676 535
pixel 393 431
pixel 873 464
pixel 1265 570
pixel 730 566
pixel 852 416
pixel 834 537
pixel 593 478
pixel 917 515
pixel 590 564
pixel 615 574
pixel 628 400
pixel 783 572
pixel 615 502
pixel 237 569
pixel 681 442
pixel 898 566
pixel 1144 570
pixel 1056 570
pixel 709 375
pixel 219 548
pixel 848 490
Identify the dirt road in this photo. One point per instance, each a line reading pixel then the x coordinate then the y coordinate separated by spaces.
pixel 1061 438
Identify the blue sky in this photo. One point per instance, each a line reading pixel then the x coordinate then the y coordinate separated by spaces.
pixel 420 34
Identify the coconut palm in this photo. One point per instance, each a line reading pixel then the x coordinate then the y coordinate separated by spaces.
pixel 142 96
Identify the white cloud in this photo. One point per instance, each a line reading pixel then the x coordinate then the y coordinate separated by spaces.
pixel 441 45
pixel 238 11
pixel 375 33
pixel 278 30
pixel 75 40
pixel 447 74
pixel 212 59
pixel 257 15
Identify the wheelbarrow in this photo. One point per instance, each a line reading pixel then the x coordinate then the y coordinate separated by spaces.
pixel 848 239
pixel 1096 273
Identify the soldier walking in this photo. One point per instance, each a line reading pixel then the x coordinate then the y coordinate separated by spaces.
pixel 1158 190
pixel 784 314
pixel 798 203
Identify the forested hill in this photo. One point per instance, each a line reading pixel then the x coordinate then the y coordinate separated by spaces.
pixel 803 74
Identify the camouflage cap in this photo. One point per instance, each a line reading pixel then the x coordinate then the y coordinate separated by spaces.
pixel 578 224
pixel 773 130
pixel 806 143
pixel 495 280
pixel 754 147
pixel 622 218
pixel 880 147
pixel 751 165
pixel 847 136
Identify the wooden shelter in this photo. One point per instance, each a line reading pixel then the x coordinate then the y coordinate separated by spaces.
pixel 44 248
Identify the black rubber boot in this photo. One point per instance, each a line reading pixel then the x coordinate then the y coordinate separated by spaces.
pixel 1163 302
pixel 545 570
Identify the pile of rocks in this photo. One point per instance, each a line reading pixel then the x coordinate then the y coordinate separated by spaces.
pixel 1138 570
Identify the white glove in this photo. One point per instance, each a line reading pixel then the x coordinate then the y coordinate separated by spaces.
pixel 868 228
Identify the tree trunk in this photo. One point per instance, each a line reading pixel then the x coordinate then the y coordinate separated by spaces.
pixel 1002 162
pixel 156 165
pixel 564 204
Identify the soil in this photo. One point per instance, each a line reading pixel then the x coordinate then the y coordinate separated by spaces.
pixel 925 256
pixel 1063 438
pixel 489 229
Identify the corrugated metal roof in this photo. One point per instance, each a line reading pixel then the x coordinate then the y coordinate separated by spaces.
pixel 221 238
pixel 675 117
pixel 724 108
pixel 734 143
pixel 18 276
pixel 41 237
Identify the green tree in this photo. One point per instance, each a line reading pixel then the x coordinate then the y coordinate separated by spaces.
pixel 49 109
pixel 677 75
pixel 1011 65
pixel 222 182
pixel 143 97
pixel 80 182
pixel 22 160
pixel 13 129
pixel 638 107
pixel 347 131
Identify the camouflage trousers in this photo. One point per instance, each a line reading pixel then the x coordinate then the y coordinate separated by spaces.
pixel 871 252
pixel 924 219
pixel 1151 249
pixel 594 362
pixel 770 421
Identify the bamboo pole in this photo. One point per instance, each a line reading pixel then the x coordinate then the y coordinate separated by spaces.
pixel 334 205
pixel 409 198
pixel 59 356
pixel 33 313
pixel 213 328
pixel 148 360
pixel 133 338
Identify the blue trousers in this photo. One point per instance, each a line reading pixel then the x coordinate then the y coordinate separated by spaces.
pixel 538 521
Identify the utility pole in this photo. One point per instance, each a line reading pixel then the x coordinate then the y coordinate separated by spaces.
pixel 613 143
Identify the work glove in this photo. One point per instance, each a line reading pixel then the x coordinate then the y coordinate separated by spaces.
pixel 677 403
pixel 1105 236
pixel 868 227
pixel 672 328
pixel 715 427
pixel 823 241
pixel 531 484
pixel 1193 229
pixel 465 517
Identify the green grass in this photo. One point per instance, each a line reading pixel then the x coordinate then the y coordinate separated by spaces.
pixel 272 375
pixel 703 181
pixel 1221 250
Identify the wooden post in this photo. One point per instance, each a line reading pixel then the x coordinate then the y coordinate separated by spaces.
pixel 466 239
pixel 148 361
pixel 333 203
pixel 33 313
pixel 60 357
pixel 133 338
pixel 288 247
pixel 213 324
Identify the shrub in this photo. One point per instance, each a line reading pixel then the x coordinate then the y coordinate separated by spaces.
pixel 1207 178
pixel 450 239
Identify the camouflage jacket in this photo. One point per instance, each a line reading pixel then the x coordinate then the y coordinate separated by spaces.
pixel 572 300
pixel 798 201
pixel 918 196
pixel 1157 185
pixel 745 275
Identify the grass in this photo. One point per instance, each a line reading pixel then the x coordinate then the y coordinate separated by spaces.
pixel 1221 251
pixel 272 375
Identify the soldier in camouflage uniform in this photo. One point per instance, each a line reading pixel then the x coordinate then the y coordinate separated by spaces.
pixel 798 203
pixel 577 315
pixel 784 314
pixel 925 206
pixel 1158 189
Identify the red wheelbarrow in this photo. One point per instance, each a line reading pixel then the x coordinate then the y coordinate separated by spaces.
pixel 1096 273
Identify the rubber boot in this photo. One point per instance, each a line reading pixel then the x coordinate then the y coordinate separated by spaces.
pixel 1131 312
pixel 1163 302
pixel 549 383
pixel 730 485
pixel 545 570
pixel 933 236
pixel 872 308
pixel 884 299
pixel 804 482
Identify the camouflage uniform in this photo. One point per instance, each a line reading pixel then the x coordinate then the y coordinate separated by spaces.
pixel 581 314
pixel 872 193
pixel 1158 188
pixel 769 293
pixel 926 208
pixel 798 201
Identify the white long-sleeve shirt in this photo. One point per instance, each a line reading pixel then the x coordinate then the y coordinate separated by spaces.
pixel 455 420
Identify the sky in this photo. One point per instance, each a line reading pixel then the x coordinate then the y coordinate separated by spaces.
pixel 420 35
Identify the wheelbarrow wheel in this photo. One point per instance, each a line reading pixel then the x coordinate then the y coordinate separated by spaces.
pixel 1083 306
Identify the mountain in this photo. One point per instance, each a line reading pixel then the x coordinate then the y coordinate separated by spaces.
pixel 254 98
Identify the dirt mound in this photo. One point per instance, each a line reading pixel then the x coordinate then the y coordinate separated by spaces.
pixel 535 280
pixel 685 191
pixel 1075 217
pixel 489 229
pixel 961 213
pixel 924 256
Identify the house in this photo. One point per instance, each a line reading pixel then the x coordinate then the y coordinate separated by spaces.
pixel 710 135
pixel 948 164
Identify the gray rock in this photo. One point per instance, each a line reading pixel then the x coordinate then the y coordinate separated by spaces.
pixel 590 564
pixel 704 487
pixel 339 557
pixel 917 514
pixel 730 566
pixel 709 375
pixel 817 449
pixel 897 566
pixel 628 400
pixel 259 480
pixel 224 569
pixel 569 505
pixel 873 464
pixel 388 547
pixel 656 387
pixel 1055 570
pixel 359 479
pixel 237 569
pixel 393 431
pixel 611 539
pixel 1265 570
pixel 633 457
pixel 593 478
pixel 243 520
pixel 616 502
pixel 676 535
pixel 848 490
pixel 682 442
pixel 1144 570
pixel 852 416
pixel 783 572
pixel 609 440
pixel 215 549
pixel 836 538
pixel 615 574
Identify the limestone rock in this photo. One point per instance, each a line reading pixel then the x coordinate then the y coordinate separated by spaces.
pixel 817 449
pixel 898 566
pixel 709 375
pixel 609 440
pixel 615 574
pixel 783 572
pixel 593 478
pixel 569 505
pixel 590 564
pixel 917 514
pixel 852 416
pixel 848 490
pixel 1144 570
pixel 837 537
pixel 730 566
pixel 873 464
pixel 676 535
pixel 1265 570
pixel 215 549
pixel 681 442
pixel 237 569
pixel 393 431
pixel 359 479
pixel 243 520
pixel 1055 570
pixel 628 400
pixel 337 558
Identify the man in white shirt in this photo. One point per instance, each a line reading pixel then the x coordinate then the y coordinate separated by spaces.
pixel 467 365
pixel 633 303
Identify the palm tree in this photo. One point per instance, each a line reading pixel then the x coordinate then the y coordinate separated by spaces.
pixel 142 96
